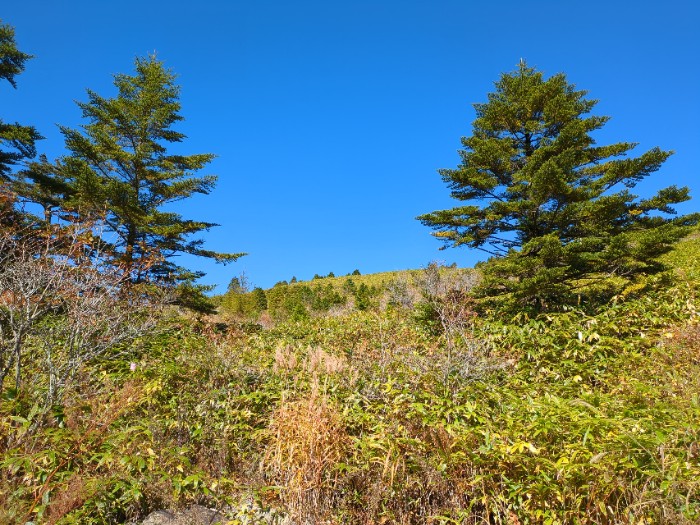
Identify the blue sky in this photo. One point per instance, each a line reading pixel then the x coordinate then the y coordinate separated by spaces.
pixel 330 119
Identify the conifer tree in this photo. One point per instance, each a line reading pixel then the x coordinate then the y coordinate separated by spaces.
pixel 553 208
pixel 120 166
pixel 17 142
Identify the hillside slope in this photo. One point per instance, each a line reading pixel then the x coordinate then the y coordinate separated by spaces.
pixel 376 416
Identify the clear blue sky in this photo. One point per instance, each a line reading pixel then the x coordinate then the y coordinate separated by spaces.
pixel 330 119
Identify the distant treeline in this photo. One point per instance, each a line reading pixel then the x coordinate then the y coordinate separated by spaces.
pixel 297 301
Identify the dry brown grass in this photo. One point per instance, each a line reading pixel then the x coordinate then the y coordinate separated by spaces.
pixel 316 361
pixel 320 361
pixel 70 497
pixel 307 441
pixel 285 359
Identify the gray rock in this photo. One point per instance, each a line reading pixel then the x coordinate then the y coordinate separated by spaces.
pixel 195 515
pixel 159 517
pixel 246 511
pixel 199 515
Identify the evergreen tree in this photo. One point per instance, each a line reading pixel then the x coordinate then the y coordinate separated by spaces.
pixel 17 142
pixel 120 167
pixel 259 298
pixel 239 284
pixel 553 208
pixel 47 185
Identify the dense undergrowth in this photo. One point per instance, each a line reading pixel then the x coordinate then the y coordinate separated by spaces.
pixel 372 416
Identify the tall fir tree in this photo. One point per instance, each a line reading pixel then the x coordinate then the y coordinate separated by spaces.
pixel 120 167
pixel 552 208
pixel 17 141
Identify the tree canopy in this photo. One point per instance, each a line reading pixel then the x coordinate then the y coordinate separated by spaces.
pixel 121 166
pixel 552 207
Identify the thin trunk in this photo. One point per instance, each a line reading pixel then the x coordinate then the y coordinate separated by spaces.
pixel 4 371
pixel 129 251
pixel 18 360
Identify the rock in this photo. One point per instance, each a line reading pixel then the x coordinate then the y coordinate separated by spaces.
pixel 246 512
pixel 159 517
pixel 199 515
pixel 195 515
